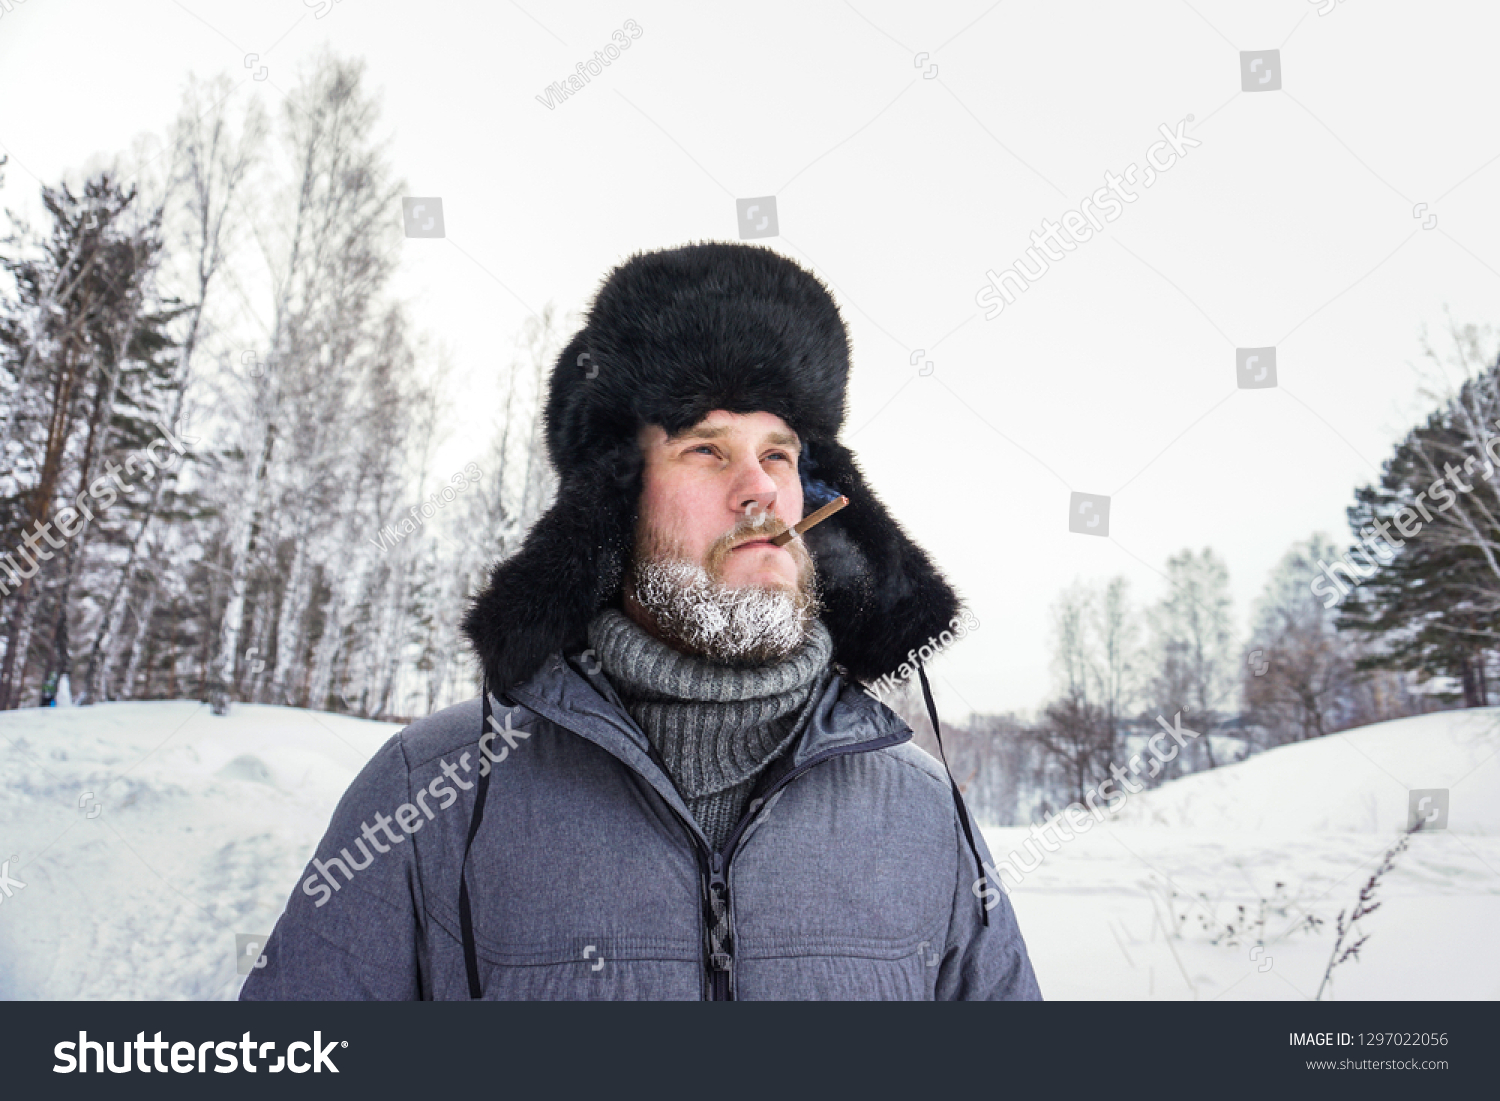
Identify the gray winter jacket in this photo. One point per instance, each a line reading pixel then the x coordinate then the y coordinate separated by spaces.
pixel 848 878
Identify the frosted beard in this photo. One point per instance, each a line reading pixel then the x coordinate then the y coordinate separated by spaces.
pixel 694 611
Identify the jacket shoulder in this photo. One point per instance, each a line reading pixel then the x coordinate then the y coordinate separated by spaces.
pixel 441 732
pixel 872 710
pixel 914 756
pixel 455 728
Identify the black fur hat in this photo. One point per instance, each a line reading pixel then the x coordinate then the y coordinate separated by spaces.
pixel 672 336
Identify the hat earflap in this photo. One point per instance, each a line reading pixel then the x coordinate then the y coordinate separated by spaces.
pixel 880 591
pixel 540 600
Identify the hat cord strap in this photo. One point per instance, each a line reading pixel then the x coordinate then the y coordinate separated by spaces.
pixel 465 912
pixel 958 799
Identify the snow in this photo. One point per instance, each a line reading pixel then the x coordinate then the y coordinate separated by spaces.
pixel 1354 781
pixel 195 830
pixel 1317 817
pixel 150 835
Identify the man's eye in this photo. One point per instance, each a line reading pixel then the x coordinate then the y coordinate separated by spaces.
pixel 703 447
pixel 782 455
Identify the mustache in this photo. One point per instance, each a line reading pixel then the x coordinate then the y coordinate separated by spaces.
pixel 748 530
pixel 651 545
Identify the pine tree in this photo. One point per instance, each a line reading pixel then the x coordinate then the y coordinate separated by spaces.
pixel 1431 601
pixel 92 351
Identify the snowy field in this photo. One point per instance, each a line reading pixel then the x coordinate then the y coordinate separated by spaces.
pixel 1316 818
pixel 197 828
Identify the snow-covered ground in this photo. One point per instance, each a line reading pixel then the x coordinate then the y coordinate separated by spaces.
pixel 1315 818
pixel 197 827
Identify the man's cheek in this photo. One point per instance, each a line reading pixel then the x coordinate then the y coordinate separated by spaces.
pixel 805 564
pixel 806 569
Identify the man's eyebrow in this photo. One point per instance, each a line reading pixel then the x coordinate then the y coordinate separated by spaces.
pixel 705 432
pixel 777 438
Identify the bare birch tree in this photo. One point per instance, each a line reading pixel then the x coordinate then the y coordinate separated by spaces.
pixel 211 160
pixel 1192 644
pixel 327 274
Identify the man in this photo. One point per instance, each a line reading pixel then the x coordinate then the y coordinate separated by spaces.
pixel 673 786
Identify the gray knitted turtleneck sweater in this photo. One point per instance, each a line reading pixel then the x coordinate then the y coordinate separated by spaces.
pixel 717 727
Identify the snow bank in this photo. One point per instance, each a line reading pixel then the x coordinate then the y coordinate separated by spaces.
pixel 1356 781
pixel 1227 884
pixel 149 835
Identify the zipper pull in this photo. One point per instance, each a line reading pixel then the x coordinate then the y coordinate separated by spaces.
pixel 720 957
pixel 717 883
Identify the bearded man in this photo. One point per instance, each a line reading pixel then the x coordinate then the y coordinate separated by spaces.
pixel 672 785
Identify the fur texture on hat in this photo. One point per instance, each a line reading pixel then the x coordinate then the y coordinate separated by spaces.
pixel 672 336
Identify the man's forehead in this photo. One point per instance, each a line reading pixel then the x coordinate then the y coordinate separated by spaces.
pixel 718 424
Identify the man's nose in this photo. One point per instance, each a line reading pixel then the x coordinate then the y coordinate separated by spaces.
pixel 754 493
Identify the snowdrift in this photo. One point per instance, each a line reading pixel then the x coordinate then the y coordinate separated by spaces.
pixel 1355 781
pixel 1227 884
pixel 150 835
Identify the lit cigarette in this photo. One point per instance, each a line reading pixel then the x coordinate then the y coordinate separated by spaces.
pixel 796 530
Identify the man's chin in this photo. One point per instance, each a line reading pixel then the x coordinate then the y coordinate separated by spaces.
pixel 747 618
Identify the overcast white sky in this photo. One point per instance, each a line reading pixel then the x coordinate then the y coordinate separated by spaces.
pixel 1291 225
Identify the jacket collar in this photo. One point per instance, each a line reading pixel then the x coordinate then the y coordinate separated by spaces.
pixel 574 693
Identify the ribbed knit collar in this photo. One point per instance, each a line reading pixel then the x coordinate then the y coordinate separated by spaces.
pixel 715 725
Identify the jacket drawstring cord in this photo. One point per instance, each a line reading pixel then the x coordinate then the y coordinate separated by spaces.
pixel 465 912
pixel 958 799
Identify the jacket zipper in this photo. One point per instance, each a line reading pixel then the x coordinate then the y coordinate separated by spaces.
pixel 720 954
pixel 711 878
pixel 713 867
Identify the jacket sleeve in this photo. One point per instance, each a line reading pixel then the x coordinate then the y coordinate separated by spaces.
pixel 350 929
pixel 983 963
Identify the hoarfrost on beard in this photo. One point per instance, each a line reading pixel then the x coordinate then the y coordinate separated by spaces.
pixel 749 623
